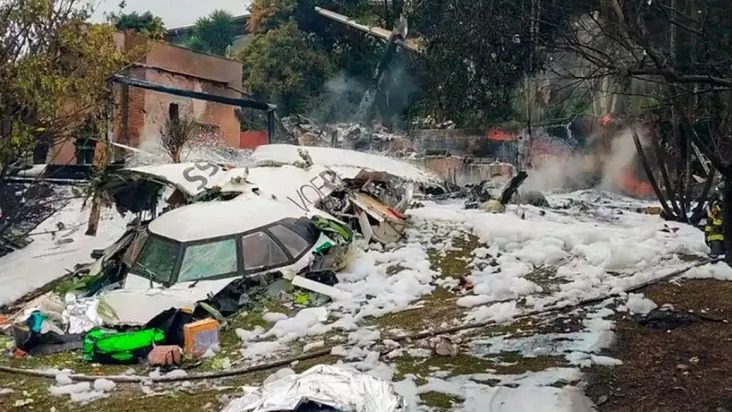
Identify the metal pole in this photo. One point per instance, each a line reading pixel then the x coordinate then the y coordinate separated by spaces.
pixel 270 125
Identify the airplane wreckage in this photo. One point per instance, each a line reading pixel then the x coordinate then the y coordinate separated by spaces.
pixel 207 237
pixel 210 240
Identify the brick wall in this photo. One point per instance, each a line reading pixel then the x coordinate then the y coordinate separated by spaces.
pixel 138 114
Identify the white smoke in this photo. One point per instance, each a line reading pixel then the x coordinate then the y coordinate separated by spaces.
pixel 340 99
pixel 599 165
pixel 622 154
pixel 566 173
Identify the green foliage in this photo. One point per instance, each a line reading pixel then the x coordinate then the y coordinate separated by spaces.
pixel 284 65
pixel 477 52
pixel 266 15
pixel 295 47
pixel 214 33
pixel 146 24
pixel 50 93
pixel 196 43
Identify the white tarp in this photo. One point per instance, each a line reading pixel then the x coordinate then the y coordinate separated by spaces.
pixel 334 386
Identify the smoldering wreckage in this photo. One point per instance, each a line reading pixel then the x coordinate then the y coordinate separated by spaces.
pixel 281 228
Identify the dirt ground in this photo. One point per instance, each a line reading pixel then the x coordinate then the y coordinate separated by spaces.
pixel 687 368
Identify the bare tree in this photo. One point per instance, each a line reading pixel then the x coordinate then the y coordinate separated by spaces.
pixel 176 134
pixel 674 57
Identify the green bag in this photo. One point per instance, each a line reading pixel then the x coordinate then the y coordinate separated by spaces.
pixel 333 227
pixel 110 346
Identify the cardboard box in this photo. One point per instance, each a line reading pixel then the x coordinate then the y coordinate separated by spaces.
pixel 201 336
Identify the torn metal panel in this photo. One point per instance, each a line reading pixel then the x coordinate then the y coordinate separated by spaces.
pixel 304 188
pixel 375 208
pixel 388 232
pixel 317 287
pixel 346 163
pixel 138 189
pixel 383 224
pixel 365 226
pixel 137 307
pixel 304 178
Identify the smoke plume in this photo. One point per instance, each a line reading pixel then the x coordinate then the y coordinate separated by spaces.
pixel 604 162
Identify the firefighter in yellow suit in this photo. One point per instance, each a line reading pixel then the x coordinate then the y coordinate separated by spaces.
pixel 713 229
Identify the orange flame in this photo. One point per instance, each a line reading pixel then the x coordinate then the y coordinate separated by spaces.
pixel 632 185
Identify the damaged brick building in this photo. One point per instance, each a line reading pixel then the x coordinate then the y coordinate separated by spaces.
pixel 139 115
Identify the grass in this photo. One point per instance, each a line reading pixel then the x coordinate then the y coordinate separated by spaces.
pixel 546 277
pixel 439 401
pixel 462 364
pixel 230 342
pixel 508 363
pixel 66 360
pixel 439 307
pixel 455 262
pixel 513 363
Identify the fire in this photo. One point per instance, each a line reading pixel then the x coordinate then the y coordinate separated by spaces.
pixel 632 185
pixel 606 120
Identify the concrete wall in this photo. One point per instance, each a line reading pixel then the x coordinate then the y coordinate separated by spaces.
pixel 459 142
pixel 460 171
pixel 190 70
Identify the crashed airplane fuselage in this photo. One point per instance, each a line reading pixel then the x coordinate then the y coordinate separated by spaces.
pixel 365 186
pixel 192 253
pixel 287 213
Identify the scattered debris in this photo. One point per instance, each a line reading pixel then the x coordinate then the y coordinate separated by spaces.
pixel 444 346
pixel 165 355
pixel 23 402
pixel 666 320
pixel 345 135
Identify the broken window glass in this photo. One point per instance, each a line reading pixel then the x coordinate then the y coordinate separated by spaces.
pixel 294 243
pixel 261 251
pixel 208 260
pixel 157 259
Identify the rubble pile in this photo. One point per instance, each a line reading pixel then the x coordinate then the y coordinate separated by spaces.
pixel 430 122
pixel 354 136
